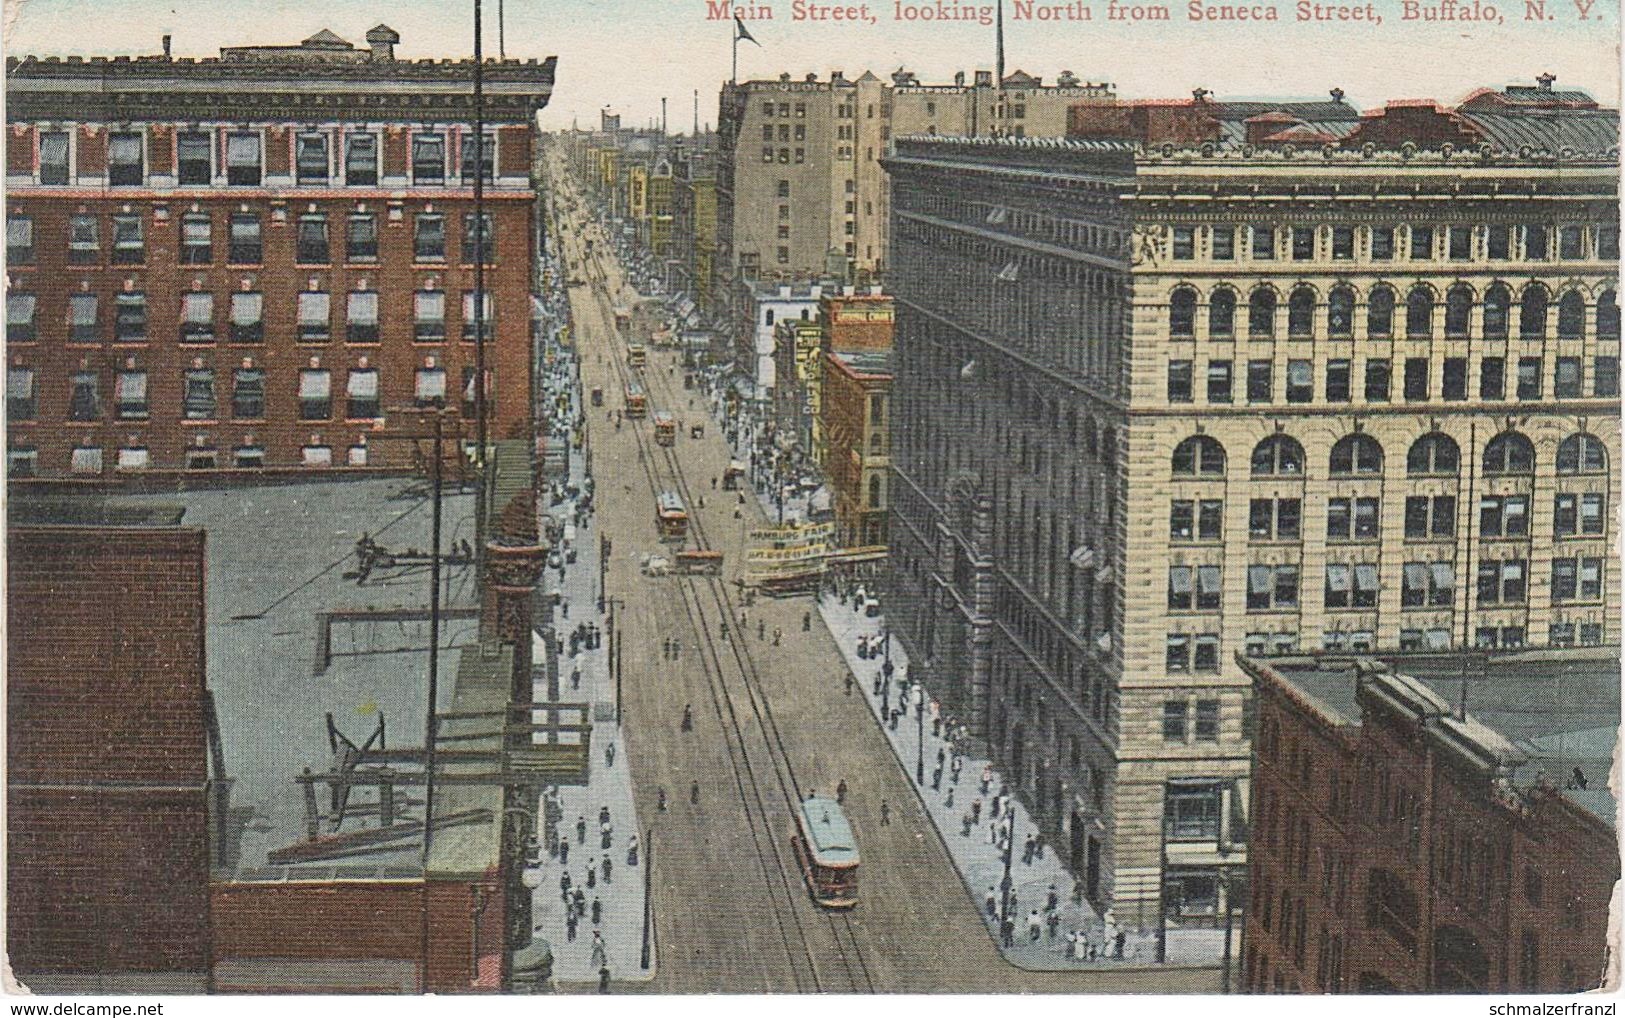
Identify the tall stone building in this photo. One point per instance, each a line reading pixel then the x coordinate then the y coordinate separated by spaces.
pixel 242 262
pixel 1241 378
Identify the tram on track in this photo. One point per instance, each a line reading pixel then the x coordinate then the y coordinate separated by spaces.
pixel 636 356
pixel 827 852
pixel 671 519
pixel 665 428
pixel 637 404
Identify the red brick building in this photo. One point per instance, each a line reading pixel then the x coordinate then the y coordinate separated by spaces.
pixel 855 407
pixel 1402 843
pixel 243 262
pixel 108 835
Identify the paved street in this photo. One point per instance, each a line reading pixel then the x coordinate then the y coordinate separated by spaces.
pixel 771 722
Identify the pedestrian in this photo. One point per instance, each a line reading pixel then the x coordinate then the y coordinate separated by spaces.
pixel 581 830
pixel 1077 892
pixel 957 766
pixel 688 717
pixel 694 794
pixel 777 634
pixel 1027 850
pixel 607 869
pixel 976 811
pixel 1038 847
pixel 600 954
pixel 950 801
pixel 570 926
pixel 1109 934
pixel 665 649
pixel 564 851
pixel 564 886
pixel 632 851
pixel 894 720
pixel 676 649
pixel 936 778
pixel 603 979
pixel 1053 902
pixel 840 793
pixel 575 678
pixel 936 728
pixel 1007 930
pixel 605 833
pixel 965 825
pixel 1053 921
pixel 713 484
pixel 578 902
pixel 761 629
pixel 724 629
pixel 987 782
pixel 1035 926
pixel 597 911
pixel 876 691
pixel 806 622
pixel 848 683
pixel 992 834
pixel 885 813
pixel 660 800
pixel 991 903
pixel 609 754
pixel 592 875
pixel 942 756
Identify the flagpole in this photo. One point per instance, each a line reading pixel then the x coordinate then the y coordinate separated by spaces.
pixel 733 79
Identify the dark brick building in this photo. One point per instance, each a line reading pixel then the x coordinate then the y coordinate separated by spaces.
pixel 243 262
pixel 1445 831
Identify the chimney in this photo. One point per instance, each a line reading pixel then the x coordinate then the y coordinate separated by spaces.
pixel 1337 95
pixel 984 79
pixel 166 46
pixel 959 79
pixel 812 76
pixel 835 77
pixel 1200 94
pixel 381 40
pixel 1546 81
pixel 784 76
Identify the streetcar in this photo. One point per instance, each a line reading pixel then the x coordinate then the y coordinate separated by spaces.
pixel 827 852
pixel 665 428
pixel 637 404
pixel 636 355
pixel 671 519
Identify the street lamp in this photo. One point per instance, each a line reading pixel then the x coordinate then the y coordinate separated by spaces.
pixel 919 715
pixel 615 652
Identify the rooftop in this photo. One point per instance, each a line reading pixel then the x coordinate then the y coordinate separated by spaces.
pixel 827 828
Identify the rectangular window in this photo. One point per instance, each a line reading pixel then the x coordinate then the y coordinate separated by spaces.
pixel 130 396
pixel 244 246
pixel 1421 243
pixel 1498 242
pixel 133 458
pixel 83 312
pixel 315 394
pixel 1529 378
pixel 1224 243
pixel 1535 243
pixel 1173 711
pixel 361 160
pixel 487 317
pixel 311 246
pixel 248 394
pixel 1337 381
pixel 362 317
pixel 1416 378
pixel 1218 381
pixel 429 238
pixel 1260 381
pixel 429 316
pixel 1454 381
pixel 130 317
pixel 1461 243
pixel 1492 383
pixel 1382 243
pixel 1337 585
pixel 129 240
pixel 1574 514
pixel 84 240
pixel 1300 381
pixel 1179 382
pixel 86 460
pixel 21 402
pixel 53 157
pixel 428 158
pixel 1303 243
pixel 197 398
pixel 1263 243
pixel 1570 242
pixel 1605 376
pixel 361 238
pixel 1608 241
pixel 317 456
pixel 311 163
pixel 315 313
pixel 361 388
pixel 20 317
pixel 1184 243
pixel 488 161
pixel 1503 516
pixel 1182 520
pixel 20 240
pixel 247 321
pixel 479 244
pixel 197 318
pixel 194 158
pixel 1501 581
pixel 431 387
pixel 85 397
pixel 1180 588
pixel 243 159
pixel 1343 243
pixel 1567 384
pixel 1191 813
pixel 197 240
pixel 1272 587
pixel 1430 517
pixel 1207 711
pixel 1209 588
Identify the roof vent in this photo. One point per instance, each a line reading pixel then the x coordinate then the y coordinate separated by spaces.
pixel 1200 94
pixel 381 40
pixel 1546 80
pixel 1337 95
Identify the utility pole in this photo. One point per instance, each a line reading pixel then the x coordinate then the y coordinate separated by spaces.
pixel 429 719
pixel 482 486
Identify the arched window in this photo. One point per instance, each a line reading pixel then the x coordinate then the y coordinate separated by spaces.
pixel 1497 304
pixel 1261 313
pixel 1458 310
pixel 1434 454
pixel 1419 312
pixel 1182 313
pixel 1356 454
pixel 1300 313
pixel 1532 313
pixel 1509 453
pixel 1390 905
pixel 769 317
pixel 1277 455
pixel 1571 315
pixel 1340 312
pixel 1199 455
pixel 1607 315
pixel 1581 454
pixel 1221 314
pixel 1379 314
pixel 1459 961
pixel 874 491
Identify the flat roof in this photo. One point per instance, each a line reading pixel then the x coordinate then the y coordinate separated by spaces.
pixel 277 557
pixel 88 511
pixel 827 829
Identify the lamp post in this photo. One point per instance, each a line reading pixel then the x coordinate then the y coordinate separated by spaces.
pixel 919 716
pixel 615 652
pixel 1007 886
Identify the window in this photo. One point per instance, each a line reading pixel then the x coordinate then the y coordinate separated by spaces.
pixel 1453 384
pixel 311 247
pixel 311 164
pixel 1459 243
pixel 19 240
pixel 487 316
pixel 362 390
pixel 1337 381
pixel 1382 243
pixel 1356 455
pixel 1260 381
pixel 1191 809
pixel 20 317
pixel 1261 314
pixel 1497 309
pixel 129 240
pixel 1218 381
pixel 243 159
pixel 1427 584
pixel 1300 313
pixel 1300 381
pixel 1351 586
pixel 1379 321
pixel 1277 455
pixel 1342 243
pixel 1193 520
pixel 1378 377
pixel 1173 711
pixel 1577 579
pixel 247 324
pixel 22 461
pixel 362 317
pixel 1608 241
pixel 197 240
pixel 1263 243
pixel 1419 313
pixel 1435 454
pixel 1503 516
pixel 361 238
pixel 315 394
pixel 130 395
pixel 1303 243
pixel 1570 242
pixel 1577 513
pixel 1274 519
pixel 1198 455
pixel 1571 315
pixel 1529 377
pixel 479 243
pixel 1568 383
pixel 243 243
pixel 1532 313
pixel 1580 454
pixel 1221 314
pixel 86 459
pixel 1182 313
pixel 1184 243
pixel 431 387
pixel 194 158
pixel 488 158
pixel 53 157
pixel 1224 244
pixel 21 402
pixel 1179 382
pixel 133 458
pixel 1492 381
pixel 361 160
pixel 197 318
pixel 1607 315
pixel 1509 453
pixel 1501 581
pixel 1340 313
pixel 84 240
pixel 1198 588
pixel 1458 311
pixel 315 312
pixel 130 317
pixel 197 397
pixel 83 311
pixel 84 397
pixel 1421 243
pixel 1430 516
pixel 1272 587
pixel 1351 518
pixel 429 316
pixel 428 159
pixel 248 394
pixel 1416 378
pixel 317 455
pixel 429 238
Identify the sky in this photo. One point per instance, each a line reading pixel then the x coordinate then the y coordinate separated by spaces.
pixel 627 54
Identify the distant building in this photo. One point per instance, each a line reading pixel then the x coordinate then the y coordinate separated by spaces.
pixel 242 263
pixel 694 224
pixel 855 419
pixel 761 307
pixel 798 368
pixel 1452 833
pixel 1162 401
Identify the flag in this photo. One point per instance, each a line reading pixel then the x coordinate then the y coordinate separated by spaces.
pixel 742 33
